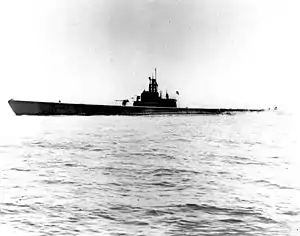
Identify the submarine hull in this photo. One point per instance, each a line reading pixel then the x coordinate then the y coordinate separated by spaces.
pixel 52 109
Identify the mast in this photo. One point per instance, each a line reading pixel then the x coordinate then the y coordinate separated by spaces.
pixel 152 83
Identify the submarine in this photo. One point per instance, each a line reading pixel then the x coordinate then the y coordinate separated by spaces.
pixel 149 102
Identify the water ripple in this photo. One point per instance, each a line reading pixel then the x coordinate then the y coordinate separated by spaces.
pixel 205 175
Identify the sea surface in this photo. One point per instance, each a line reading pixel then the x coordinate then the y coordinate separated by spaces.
pixel 152 175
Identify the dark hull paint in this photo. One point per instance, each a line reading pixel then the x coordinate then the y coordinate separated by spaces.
pixel 50 109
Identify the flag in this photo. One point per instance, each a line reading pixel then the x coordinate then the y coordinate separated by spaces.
pixel 177 92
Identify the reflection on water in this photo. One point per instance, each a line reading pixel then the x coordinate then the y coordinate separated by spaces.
pixel 172 175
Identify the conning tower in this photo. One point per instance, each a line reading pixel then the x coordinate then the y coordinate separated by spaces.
pixel 153 98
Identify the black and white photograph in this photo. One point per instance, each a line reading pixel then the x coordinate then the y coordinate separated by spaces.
pixel 149 117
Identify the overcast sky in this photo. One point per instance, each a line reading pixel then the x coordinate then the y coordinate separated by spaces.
pixel 237 53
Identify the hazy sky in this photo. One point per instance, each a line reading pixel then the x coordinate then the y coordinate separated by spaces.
pixel 237 53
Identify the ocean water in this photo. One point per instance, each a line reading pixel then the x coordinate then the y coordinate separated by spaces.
pixel 156 175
